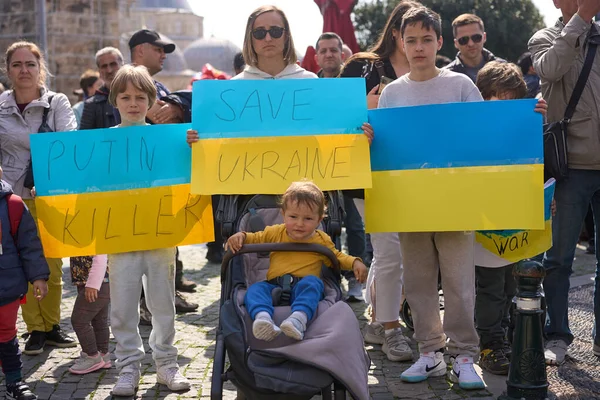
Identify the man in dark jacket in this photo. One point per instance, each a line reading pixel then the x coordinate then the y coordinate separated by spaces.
pixel 469 39
pixel 97 112
pixel 21 261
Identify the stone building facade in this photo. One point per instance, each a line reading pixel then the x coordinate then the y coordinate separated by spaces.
pixel 76 29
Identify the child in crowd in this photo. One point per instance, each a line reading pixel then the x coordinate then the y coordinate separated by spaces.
pixel 133 92
pixel 21 261
pixel 496 286
pixel 90 312
pixel 303 208
pixel 427 253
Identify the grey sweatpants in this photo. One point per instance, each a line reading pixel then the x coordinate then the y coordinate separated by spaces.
pixel 155 270
pixel 426 253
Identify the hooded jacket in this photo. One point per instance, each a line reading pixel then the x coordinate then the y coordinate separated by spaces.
pixel 292 71
pixel 20 262
pixel 15 128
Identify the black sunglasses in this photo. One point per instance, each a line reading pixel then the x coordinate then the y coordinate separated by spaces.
pixel 275 31
pixel 477 38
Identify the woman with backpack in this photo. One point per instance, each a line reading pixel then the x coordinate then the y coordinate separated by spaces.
pixel 30 108
pixel 385 62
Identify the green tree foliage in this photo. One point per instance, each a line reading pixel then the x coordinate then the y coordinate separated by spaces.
pixel 509 23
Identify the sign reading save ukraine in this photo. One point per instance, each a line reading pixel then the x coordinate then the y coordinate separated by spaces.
pixel 117 190
pixel 456 167
pixel 258 136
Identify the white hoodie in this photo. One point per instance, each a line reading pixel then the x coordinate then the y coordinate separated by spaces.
pixel 292 71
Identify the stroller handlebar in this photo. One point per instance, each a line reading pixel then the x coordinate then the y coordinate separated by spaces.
pixel 286 247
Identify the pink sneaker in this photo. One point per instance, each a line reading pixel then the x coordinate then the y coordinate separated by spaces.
pixel 106 359
pixel 86 364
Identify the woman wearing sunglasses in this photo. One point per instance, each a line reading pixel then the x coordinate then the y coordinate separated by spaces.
pixel 269 48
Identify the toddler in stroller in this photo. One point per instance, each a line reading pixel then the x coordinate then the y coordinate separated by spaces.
pixel 331 354
pixel 303 208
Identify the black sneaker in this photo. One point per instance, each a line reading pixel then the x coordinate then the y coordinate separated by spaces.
pixel 35 343
pixel 19 391
pixel 56 337
pixel 182 305
pixel 185 285
pixel 494 361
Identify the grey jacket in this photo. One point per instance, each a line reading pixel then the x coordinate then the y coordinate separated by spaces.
pixel 16 127
pixel 558 53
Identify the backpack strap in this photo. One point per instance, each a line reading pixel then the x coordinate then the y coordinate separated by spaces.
pixel 15 213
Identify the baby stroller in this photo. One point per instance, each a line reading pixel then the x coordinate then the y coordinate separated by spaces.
pixel 322 363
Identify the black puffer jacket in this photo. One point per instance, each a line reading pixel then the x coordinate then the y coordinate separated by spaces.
pixel 97 112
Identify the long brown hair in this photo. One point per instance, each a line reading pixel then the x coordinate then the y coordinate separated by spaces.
pixel 386 45
pixel 289 52
pixel 37 53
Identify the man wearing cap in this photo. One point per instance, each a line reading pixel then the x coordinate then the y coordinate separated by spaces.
pixel 148 49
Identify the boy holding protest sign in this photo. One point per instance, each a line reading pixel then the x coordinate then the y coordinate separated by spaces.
pixel 133 92
pixel 423 251
pixel 496 285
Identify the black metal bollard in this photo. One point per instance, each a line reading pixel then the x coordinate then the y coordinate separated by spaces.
pixel 527 374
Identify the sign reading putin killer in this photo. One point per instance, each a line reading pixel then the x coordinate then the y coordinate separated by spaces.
pixel 117 190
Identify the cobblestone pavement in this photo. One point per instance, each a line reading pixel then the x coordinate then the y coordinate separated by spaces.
pixel 49 377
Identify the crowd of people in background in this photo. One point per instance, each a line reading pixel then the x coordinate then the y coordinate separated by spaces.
pixel 403 68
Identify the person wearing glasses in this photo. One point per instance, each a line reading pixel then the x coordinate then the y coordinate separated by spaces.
pixel 469 38
pixel 269 48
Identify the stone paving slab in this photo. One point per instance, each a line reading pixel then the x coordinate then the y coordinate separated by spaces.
pixel 195 339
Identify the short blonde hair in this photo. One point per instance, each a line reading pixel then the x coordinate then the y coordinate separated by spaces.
pixel 37 53
pixel 139 77
pixel 304 192
pixel 289 51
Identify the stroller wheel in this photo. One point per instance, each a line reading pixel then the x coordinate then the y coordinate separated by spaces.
pixel 406 315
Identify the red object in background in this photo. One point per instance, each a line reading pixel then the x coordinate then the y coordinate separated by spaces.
pixel 208 72
pixel 308 62
pixel 336 18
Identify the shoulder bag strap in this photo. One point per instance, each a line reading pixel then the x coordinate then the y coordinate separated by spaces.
pixel 581 81
pixel 379 67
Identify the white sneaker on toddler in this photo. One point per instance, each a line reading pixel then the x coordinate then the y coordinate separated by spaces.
pixel 294 325
pixel 264 328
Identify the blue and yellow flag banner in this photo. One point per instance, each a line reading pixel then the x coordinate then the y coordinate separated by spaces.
pixel 455 167
pixel 117 190
pixel 500 248
pixel 258 136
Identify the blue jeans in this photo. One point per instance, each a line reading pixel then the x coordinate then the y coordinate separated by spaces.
pixel 573 196
pixel 306 295
pixel 355 233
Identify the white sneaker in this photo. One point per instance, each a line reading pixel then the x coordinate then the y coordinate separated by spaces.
pixel 396 347
pixel 86 364
pixel 171 377
pixel 354 291
pixel 293 328
pixel 129 380
pixel 265 329
pixel 464 373
pixel 428 364
pixel 374 333
pixel 555 351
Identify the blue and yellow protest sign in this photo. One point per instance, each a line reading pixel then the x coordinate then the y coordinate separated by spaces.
pixel 258 136
pixel 101 160
pixel 500 248
pixel 117 190
pixel 454 167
